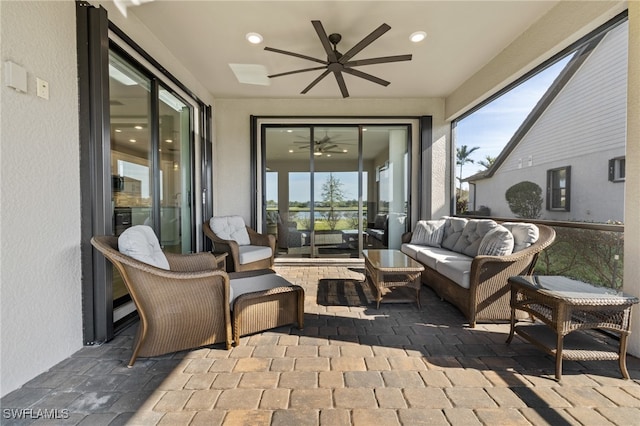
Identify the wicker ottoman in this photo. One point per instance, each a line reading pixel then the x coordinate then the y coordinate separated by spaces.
pixel 263 300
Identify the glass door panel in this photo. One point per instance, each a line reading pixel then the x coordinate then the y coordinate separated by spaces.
pixel 131 171
pixel 175 173
pixel 385 158
pixel 337 230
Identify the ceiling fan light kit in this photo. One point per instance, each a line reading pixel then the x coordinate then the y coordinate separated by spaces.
pixel 338 63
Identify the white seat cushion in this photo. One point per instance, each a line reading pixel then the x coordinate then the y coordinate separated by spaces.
pixel 250 254
pixel 230 228
pixel 141 243
pixel 240 286
pixel 433 256
pixel 457 271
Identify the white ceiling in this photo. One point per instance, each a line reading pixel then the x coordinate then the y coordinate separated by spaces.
pixel 462 36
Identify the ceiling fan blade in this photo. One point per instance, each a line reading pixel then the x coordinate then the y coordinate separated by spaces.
pixel 366 76
pixel 324 39
pixel 316 81
pixel 364 43
pixel 296 71
pixel 329 147
pixel 297 55
pixel 381 60
pixel 341 84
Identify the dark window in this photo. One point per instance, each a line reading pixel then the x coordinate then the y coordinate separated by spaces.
pixel 559 189
pixel 617 169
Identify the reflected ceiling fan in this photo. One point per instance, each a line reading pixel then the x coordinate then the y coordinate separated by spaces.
pixel 337 63
pixel 326 145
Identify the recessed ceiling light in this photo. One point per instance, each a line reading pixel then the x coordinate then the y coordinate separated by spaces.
pixel 317 154
pixel 169 140
pixel 290 150
pixel 418 36
pixel 344 150
pixel 254 38
pixel 132 140
pixel 138 127
pixel 118 130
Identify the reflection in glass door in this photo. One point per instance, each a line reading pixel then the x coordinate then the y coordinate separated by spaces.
pixel 334 190
pixel 150 163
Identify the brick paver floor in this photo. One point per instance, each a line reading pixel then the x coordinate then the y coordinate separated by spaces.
pixel 349 366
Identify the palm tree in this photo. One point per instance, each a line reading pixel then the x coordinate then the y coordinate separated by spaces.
pixel 488 161
pixel 463 155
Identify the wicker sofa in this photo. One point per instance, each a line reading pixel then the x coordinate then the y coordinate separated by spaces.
pixel 458 268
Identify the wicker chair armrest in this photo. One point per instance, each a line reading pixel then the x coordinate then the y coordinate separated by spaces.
pixel 191 262
pixel 258 239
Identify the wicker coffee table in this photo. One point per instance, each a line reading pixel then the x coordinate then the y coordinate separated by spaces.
pixel 563 306
pixel 392 268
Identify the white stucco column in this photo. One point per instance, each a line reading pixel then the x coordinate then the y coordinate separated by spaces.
pixel 397 151
pixel 632 184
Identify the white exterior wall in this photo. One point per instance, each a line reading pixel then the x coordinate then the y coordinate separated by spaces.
pixel 584 127
pixel 40 300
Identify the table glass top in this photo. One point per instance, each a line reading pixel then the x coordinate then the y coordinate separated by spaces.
pixel 568 288
pixel 384 259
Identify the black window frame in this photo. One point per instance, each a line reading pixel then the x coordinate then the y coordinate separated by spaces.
pixel 617 169
pixel 551 189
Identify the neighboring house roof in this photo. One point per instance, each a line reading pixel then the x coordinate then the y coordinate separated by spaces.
pixel 556 87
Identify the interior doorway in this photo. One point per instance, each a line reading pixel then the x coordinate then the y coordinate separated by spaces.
pixel 332 190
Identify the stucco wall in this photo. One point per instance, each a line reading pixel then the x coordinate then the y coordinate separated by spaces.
pixel 39 174
pixel 232 147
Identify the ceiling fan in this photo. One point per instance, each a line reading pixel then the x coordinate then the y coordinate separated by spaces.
pixel 325 145
pixel 337 63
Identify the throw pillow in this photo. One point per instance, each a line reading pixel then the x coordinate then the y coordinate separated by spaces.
pixel 472 234
pixel 524 234
pixel 428 233
pixel 230 228
pixel 141 243
pixel 497 242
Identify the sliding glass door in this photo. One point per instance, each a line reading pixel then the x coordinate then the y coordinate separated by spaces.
pixel 150 163
pixel 332 190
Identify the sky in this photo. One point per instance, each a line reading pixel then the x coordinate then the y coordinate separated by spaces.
pixel 492 126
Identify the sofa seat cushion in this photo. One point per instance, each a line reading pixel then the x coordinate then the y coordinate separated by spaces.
pixel 524 234
pixel 250 254
pixel 458 271
pixel 376 233
pixel 432 256
pixel 472 235
pixel 230 228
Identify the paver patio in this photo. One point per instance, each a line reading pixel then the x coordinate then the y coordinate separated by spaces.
pixel 350 365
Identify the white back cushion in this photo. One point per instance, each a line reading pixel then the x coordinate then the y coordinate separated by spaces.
pixel 452 231
pixel 230 228
pixel 472 234
pixel 428 233
pixel 141 243
pixel 524 234
pixel 497 242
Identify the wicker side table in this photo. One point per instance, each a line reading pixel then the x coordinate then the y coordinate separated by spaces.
pixel 562 306
pixel 392 268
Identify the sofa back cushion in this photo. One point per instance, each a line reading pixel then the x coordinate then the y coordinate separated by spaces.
pixel 524 234
pixel 472 234
pixel 141 243
pixel 452 231
pixel 497 242
pixel 428 233
pixel 230 228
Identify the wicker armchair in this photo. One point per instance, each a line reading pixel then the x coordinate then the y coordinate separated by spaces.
pixel 236 251
pixel 181 308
